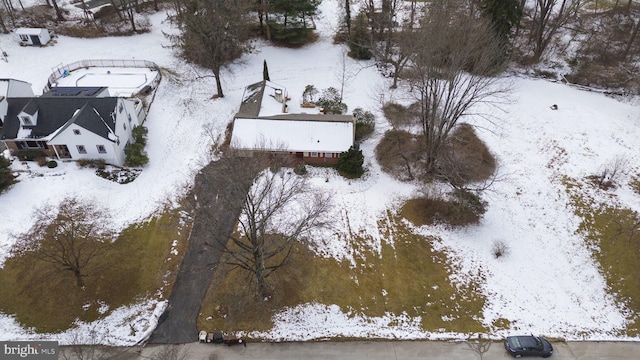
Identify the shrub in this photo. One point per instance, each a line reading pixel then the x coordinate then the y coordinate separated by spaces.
pixel 300 170
pixel 465 158
pixel 434 209
pixel 400 116
pixel 350 163
pixel 134 152
pixel 52 164
pixel 469 202
pixel 499 248
pixel 398 154
pixel 331 103
pixel 29 155
pixel 365 123
pixel 92 163
pixel 6 175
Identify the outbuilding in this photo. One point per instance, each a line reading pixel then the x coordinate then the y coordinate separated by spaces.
pixel 33 36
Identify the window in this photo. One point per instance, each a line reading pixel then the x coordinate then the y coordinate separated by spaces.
pixel 124 126
pixel 81 149
pixel 129 117
pixel 26 120
pixel 76 132
pixel 101 149
pixel 314 154
pixel 24 37
pixel 120 108
pixel 31 145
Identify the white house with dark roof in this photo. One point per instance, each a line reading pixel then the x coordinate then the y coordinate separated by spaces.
pixel 71 127
pixel 268 121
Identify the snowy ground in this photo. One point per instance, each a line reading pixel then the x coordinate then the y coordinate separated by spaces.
pixel 565 295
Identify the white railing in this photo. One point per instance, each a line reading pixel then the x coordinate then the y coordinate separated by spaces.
pixel 59 70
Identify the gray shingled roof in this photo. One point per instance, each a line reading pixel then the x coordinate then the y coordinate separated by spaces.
pixel 31 108
pixel 74 91
pixel 252 100
pixel 56 112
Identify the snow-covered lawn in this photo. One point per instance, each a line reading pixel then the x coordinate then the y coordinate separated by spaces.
pixel 548 284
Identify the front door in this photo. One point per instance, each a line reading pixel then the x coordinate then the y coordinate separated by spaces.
pixel 35 40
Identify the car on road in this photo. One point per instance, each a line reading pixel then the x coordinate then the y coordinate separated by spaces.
pixel 528 345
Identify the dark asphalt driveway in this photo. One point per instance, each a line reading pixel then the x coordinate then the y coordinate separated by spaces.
pixel 213 223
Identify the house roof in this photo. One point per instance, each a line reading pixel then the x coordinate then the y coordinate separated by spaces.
pixel 261 124
pixel 259 99
pixel 5 85
pixel 292 135
pixel 54 113
pixel 31 108
pixel 30 31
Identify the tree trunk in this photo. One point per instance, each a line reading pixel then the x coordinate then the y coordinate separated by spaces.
pixel 347 17
pixel 216 73
pixel 79 278
pixel 265 11
pixel 2 24
pixel 58 11
pixel 262 287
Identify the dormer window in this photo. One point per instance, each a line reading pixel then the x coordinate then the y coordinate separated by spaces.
pixel 26 120
pixel 76 132
pixel 29 114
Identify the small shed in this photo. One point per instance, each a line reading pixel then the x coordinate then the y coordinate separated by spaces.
pixel 33 36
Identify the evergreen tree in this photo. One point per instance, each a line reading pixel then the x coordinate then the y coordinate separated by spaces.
pixel 134 153
pixel 6 176
pixel 360 38
pixel 294 17
pixel 265 72
pixel 350 163
pixel 331 103
pixel 505 15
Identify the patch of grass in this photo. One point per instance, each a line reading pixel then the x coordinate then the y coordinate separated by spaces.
pixel 609 231
pixel 635 184
pixel 139 266
pixel 408 276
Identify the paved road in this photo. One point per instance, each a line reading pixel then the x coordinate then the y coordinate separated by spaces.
pixel 406 350
pixel 213 224
pixel 379 350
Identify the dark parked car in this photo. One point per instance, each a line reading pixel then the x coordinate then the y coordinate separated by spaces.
pixel 528 345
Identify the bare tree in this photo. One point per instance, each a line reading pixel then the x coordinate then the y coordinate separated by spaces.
pixel 89 346
pixel 214 33
pixel 128 7
pixel 549 17
pixel 171 352
pixel 610 172
pixel 450 73
pixel 278 209
pixel 480 346
pixel 72 238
